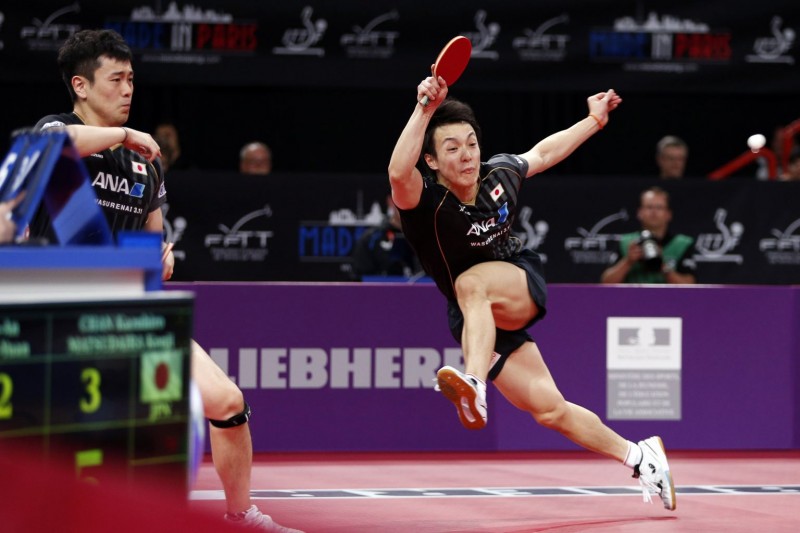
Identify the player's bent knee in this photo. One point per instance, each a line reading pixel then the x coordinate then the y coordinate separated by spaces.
pixel 553 418
pixel 236 420
pixel 223 404
pixel 469 284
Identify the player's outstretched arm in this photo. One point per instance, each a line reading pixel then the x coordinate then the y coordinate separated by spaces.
pixel 555 148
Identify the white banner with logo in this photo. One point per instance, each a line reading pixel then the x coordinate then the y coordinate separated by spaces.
pixel 643 363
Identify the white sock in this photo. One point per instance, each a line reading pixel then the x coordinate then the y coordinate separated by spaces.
pixel 480 382
pixel 477 379
pixel 634 455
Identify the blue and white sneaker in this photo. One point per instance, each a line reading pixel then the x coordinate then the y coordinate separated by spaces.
pixel 653 473
pixel 467 393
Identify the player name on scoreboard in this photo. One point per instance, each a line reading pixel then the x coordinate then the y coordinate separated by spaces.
pixel 100 384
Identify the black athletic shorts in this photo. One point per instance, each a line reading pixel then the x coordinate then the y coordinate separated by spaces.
pixel 508 341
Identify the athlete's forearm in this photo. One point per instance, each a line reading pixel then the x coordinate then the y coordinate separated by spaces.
pixel 404 178
pixel 556 147
pixel 89 140
pixel 409 145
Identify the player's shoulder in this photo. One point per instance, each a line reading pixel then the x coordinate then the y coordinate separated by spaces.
pixel 57 120
pixel 508 166
pixel 510 161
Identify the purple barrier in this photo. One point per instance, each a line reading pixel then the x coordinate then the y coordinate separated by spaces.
pixel 330 367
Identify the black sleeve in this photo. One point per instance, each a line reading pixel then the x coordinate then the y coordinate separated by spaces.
pixel 515 162
pixel 50 121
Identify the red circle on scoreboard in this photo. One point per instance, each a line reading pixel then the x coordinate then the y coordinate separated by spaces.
pixel 162 376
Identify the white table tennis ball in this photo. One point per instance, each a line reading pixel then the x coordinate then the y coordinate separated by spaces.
pixel 756 142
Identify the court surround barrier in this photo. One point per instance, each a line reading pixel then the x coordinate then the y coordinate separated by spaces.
pixel 302 227
pixel 346 366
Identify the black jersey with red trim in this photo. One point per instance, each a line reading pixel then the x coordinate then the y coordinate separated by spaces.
pixel 449 237
pixel 128 188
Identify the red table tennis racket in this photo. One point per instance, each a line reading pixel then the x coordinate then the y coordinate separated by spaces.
pixel 452 61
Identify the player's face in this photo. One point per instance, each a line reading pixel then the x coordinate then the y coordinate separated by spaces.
pixel 458 156
pixel 109 96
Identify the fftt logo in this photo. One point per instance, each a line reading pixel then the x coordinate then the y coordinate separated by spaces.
pixel 239 244
pixel 783 240
pixel 716 247
pixel 534 234
pixel 485 36
pixel 592 239
pixel 301 41
pixel 370 39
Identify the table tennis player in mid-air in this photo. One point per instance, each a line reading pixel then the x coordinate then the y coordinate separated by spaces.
pixel 458 218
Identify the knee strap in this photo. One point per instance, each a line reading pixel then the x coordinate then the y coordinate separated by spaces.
pixel 235 420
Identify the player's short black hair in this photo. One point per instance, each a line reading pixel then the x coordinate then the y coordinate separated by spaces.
pixel 451 111
pixel 80 54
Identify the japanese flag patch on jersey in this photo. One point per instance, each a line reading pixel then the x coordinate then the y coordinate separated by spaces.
pixel 139 168
pixel 497 192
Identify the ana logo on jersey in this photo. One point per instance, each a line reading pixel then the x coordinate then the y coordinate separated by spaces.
pixel 112 183
pixel 481 227
pixel 484 226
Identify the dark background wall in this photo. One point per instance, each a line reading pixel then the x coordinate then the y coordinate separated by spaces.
pixel 340 113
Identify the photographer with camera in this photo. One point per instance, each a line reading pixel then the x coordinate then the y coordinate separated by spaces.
pixel 653 255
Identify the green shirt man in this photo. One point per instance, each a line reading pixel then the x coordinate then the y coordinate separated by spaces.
pixel 676 256
pixel 675 250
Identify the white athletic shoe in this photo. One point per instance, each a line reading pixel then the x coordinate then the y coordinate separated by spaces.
pixel 653 473
pixel 467 394
pixel 255 520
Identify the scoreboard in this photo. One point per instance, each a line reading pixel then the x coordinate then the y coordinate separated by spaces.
pixel 100 385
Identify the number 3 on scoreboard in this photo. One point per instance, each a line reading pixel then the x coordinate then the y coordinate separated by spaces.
pixel 6 388
pixel 91 402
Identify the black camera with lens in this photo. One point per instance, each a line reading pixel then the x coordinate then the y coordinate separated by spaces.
pixel 651 253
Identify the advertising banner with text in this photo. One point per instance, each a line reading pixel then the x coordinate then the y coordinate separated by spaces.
pixel 678 46
pixel 303 227
pixel 345 366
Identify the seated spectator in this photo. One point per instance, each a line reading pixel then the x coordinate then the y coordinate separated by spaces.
pixel 671 155
pixel 166 135
pixel 255 158
pixel 384 250
pixel 653 255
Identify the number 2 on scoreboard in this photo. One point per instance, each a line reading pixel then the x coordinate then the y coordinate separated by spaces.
pixel 6 388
